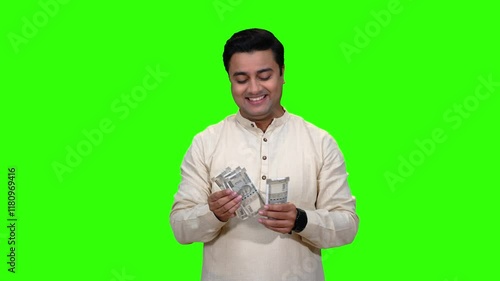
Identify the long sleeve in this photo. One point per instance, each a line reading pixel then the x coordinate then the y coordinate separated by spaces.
pixel 190 218
pixel 290 147
pixel 334 221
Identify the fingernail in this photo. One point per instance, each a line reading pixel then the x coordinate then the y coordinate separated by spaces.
pixel 260 212
pixel 266 207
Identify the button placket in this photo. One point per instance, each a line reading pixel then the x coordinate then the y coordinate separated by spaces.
pixel 264 161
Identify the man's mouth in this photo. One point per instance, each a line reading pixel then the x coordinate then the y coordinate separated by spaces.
pixel 256 99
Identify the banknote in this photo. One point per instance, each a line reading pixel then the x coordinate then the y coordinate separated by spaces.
pixel 238 181
pixel 277 190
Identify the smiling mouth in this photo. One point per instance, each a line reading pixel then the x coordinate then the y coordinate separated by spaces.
pixel 257 98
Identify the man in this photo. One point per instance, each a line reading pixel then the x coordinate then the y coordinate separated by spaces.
pixel 284 241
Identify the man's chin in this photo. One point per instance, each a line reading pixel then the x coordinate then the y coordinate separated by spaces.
pixel 255 115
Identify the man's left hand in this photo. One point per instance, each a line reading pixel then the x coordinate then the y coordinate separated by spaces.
pixel 280 217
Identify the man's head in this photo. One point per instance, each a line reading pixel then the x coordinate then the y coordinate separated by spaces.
pixel 254 39
pixel 254 61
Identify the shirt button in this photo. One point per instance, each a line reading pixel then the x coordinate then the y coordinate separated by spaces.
pixel 252 125
pixel 263 177
pixel 265 140
pixel 264 157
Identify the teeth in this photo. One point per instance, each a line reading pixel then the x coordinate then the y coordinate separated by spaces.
pixel 256 99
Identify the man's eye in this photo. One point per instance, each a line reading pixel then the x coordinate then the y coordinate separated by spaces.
pixel 241 81
pixel 265 78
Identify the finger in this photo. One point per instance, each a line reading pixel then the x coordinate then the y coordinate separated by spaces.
pixel 230 204
pixel 275 224
pixel 223 200
pixel 280 207
pixel 219 194
pixel 234 208
pixel 279 229
pixel 279 215
pixel 225 216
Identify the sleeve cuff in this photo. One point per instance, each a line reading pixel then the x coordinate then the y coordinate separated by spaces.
pixel 209 219
pixel 309 230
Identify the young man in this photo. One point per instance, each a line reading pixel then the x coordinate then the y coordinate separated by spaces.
pixel 284 241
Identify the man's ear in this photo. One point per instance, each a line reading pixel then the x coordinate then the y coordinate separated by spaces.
pixel 283 73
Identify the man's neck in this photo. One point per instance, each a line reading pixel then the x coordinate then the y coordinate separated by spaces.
pixel 264 124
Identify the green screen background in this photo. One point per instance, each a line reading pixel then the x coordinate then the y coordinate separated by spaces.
pixel 402 98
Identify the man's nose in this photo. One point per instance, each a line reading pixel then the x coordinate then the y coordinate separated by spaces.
pixel 254 86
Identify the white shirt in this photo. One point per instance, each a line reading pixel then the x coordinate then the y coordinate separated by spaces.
pixel 245 249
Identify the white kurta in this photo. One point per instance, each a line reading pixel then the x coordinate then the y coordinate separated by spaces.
pixel 244 249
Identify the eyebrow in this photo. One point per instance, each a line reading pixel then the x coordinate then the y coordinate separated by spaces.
pixel 258 71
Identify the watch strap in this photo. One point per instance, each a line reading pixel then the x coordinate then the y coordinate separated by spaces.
pixel 300 221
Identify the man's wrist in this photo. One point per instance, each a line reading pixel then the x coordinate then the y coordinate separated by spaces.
pixel 300 221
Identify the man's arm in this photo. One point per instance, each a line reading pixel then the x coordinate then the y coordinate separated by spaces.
pixel 334 222
pixel 191 218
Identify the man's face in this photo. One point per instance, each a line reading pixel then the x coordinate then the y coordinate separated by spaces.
pixel 256 85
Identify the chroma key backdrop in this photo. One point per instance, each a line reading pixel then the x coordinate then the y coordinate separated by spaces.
pixel 100 101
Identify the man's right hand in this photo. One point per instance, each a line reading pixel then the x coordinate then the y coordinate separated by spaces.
pixel 224 204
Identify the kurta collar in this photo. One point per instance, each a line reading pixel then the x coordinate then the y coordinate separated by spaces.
pixel 250 125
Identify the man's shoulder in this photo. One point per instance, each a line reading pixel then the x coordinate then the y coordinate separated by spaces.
pixel 216 128
pixel 297 120
pixel 321 138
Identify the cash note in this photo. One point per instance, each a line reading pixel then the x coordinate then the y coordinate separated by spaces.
pixel 277 190
pixel 238 181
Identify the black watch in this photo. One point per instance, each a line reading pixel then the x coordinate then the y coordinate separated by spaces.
pixel 300 221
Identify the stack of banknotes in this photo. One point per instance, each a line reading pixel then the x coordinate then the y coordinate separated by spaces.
pixel 238 181
pixel 277 190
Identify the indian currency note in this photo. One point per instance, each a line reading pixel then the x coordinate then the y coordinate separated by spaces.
pixel 277 190
pixel 251 201
pixel 238 181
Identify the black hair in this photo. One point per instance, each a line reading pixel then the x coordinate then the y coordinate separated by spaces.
pixel 253 39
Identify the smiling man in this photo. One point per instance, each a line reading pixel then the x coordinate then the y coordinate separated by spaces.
pixel 284 242
pixel 256 83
